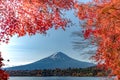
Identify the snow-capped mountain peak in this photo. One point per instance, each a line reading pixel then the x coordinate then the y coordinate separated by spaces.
pixel 56 60
pixel 55 55
pixel 59 55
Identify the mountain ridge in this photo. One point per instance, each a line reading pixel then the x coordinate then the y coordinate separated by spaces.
pixel 56 60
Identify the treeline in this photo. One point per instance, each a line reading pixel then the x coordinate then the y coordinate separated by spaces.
pixel 91 71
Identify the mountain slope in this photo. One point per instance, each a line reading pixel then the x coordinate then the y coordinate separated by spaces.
pixel 57 60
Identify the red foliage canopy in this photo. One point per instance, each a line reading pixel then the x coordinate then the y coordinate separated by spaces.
pixel 102 20
pixel 31 16
pixel 21 17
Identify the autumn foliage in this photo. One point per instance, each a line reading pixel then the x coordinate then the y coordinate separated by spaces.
pixel 102 20
pixel 3 74
pixel 21 17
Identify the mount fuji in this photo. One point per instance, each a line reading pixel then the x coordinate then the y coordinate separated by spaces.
pixel 57 60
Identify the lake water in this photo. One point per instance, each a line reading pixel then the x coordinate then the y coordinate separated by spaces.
pixel 59 78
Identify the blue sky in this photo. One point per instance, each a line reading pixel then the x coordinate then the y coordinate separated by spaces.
pixel 29 49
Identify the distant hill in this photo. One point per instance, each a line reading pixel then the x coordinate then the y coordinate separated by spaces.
pixel 57 60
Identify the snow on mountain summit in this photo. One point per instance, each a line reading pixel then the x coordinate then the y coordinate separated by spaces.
pixel 58 55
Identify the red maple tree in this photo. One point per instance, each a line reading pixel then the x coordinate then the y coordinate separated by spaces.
pixel 3 74
pixel 102 20
pixel 21 17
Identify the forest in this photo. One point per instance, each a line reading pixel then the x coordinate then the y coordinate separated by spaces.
pixel 79 72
